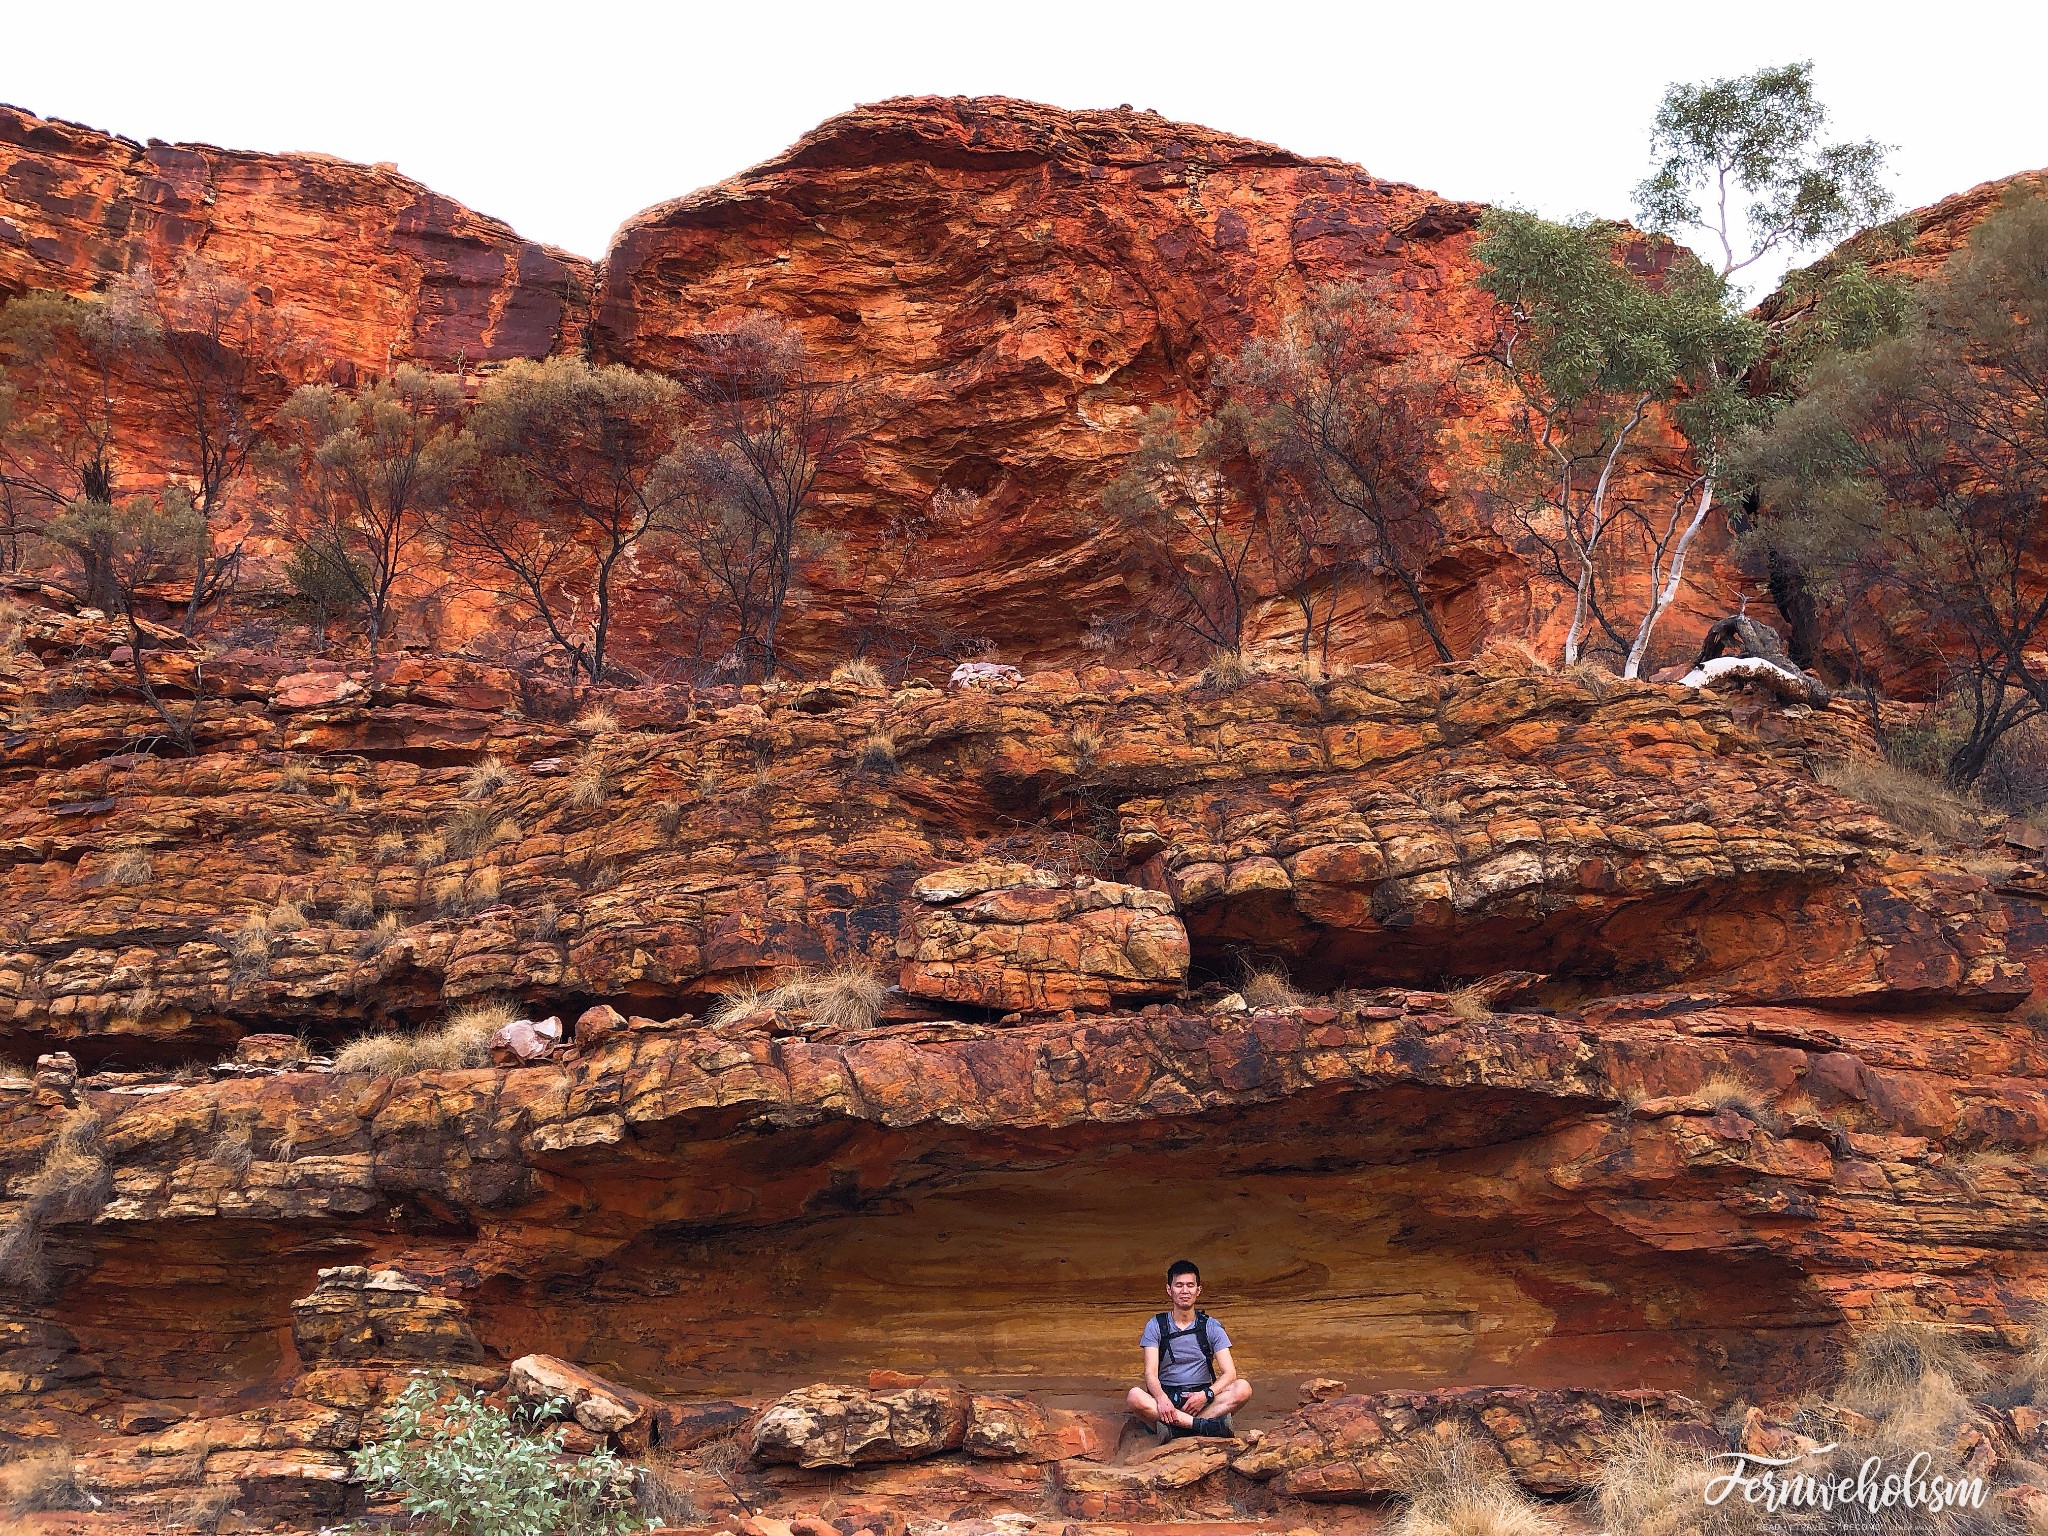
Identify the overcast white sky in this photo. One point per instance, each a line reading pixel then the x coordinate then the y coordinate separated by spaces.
pixel 565 119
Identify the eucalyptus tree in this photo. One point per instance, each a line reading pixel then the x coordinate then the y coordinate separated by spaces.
pixel 367 471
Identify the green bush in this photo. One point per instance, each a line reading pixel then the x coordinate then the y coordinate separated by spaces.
pixel 464 1468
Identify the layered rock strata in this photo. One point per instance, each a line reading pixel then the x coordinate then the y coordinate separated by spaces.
pixel 1017 287
pixel 375 267
pixel 330 858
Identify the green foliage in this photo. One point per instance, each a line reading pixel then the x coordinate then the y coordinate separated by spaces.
pixel 367 471
pixel 1601 354
pixel 1757 138
pixel 61 360
pixel 115 552
pixel 464 1468
pixel 575 470
pixel 323 578
pixel 1909 479
pixel 1593 334
pixel 1844 309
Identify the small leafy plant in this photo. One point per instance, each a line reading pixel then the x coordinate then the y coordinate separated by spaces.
pixel 462 1467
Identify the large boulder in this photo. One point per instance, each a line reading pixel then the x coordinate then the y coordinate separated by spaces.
pixel 1018 937
pixel 357 1314
pixel 600 1406
pixel 1368 1446
pixel 828 1426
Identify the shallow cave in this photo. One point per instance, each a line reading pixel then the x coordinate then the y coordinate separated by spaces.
pixel 1031 1261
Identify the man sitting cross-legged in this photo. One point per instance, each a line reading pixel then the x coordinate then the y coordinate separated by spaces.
pixel 1191 1385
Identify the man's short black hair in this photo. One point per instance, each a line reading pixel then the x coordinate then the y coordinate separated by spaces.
pixel 1181 1267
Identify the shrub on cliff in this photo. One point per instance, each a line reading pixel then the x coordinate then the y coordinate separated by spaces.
pixel 1342 418
pixel 1908 483
pixel 574 472
pixel 366 471
pixel 461 1043
pixel 461 1467
pixel 70 1184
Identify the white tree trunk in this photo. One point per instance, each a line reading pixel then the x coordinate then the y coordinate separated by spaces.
pixel 1588 549
pixel 1662 597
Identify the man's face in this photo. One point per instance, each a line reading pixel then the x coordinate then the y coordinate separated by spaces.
pixel 1182 1290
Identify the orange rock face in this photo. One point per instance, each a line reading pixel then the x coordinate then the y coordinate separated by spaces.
pixel 377 267
pixel 1023 285
pixel 1019 285
pixel 1527 1050
pixel 1385 827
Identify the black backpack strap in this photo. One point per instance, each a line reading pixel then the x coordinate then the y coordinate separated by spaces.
pixel 1208 1340
pixel 1165 1322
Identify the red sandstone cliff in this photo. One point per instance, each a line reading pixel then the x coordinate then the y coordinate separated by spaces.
pixel 1019 284
pixel 1025 284
pixel 1743 1070
pixel 377 267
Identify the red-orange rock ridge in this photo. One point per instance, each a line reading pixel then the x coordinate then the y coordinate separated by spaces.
pixel 377 267
pixel 1020 284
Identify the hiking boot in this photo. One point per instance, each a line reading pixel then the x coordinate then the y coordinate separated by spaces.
pixel 1218 1427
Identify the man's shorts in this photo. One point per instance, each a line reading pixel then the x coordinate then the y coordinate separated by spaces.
pixel 1178 1396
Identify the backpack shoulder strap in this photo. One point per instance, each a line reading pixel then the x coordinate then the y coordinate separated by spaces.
pixel 1165 1322
pixel 1208 1340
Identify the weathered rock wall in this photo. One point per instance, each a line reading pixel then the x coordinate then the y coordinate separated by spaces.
pixel 1018 285
pixel 1071 840
pixel 1024 285
pixel 375 267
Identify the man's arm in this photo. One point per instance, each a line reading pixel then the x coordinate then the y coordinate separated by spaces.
pixel 1152 1374
pixel 1226 1373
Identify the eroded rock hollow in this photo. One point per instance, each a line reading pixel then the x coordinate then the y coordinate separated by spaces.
pixel 803 1086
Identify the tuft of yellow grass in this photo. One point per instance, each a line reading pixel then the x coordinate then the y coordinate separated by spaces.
pixel 460 1042
pixel 1459 1486
pixel 41 1481
pixel 249 945
pixel 846 997
pixel 466 895
pixel 379 936
pixel 485 778
pixel 130 866
pixel 1228 669
pixel 358 906
pixel 858 673
pixel 1269 988
pixel 1914 803
pixel 1649 1486
pixel 1469 1003
pixel 598 720
pixel 587 788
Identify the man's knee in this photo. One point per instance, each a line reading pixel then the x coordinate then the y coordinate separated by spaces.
pixel 1241 1389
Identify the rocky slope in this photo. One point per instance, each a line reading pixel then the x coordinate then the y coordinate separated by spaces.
pixel 1737 1073
pixel 376 267
pixel 1018 286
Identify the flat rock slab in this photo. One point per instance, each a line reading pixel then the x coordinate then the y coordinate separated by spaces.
pixel 1366 1446
pixel 828 1426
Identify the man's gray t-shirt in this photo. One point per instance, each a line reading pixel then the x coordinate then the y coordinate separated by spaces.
pixel 1181 1363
